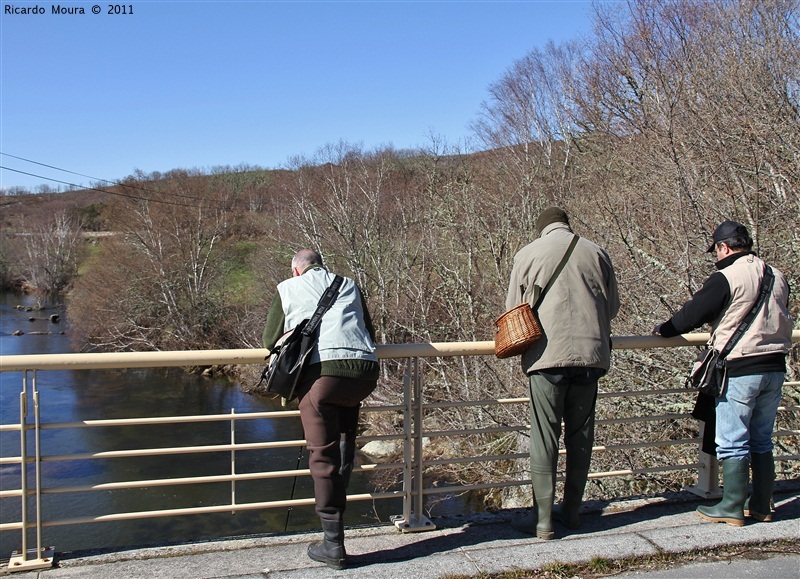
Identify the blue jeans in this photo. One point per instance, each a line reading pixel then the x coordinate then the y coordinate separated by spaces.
pixel 746 415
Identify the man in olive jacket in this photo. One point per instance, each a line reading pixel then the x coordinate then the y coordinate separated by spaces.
pixel 565 365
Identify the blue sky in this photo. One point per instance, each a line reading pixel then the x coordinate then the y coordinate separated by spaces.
pixel 197 84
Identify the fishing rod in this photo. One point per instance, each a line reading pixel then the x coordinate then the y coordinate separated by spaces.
pixel 294 486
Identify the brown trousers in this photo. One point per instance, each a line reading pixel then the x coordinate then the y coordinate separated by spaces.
pixel 329 413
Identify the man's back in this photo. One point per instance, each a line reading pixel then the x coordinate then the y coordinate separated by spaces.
pixel 771 329
pixel 343 333
pixel 577 311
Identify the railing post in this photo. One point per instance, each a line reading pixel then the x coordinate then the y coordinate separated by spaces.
pixel 707 473
pixel 412 519
pixel 39 558
pixel 233 459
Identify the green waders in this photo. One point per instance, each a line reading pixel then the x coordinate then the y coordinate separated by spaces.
pixel 575 404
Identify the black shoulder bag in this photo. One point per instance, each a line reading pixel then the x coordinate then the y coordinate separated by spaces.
pixel 710 372
pixel 289 356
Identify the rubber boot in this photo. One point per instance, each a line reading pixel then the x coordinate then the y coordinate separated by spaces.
pixel 567 512
pixel 759 505
pixel 544 505
pixel 331 550
pixel 530 524
pixel 730 509
pixel 540 521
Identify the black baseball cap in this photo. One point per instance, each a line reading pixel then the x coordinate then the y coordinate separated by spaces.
pixel 727 230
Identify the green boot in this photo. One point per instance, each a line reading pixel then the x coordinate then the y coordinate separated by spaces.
pixel 759 505
pixel 331 550
pixel 735 475
pixel 544 486
pixel 540 521
pixel 530 524
pixel 567 512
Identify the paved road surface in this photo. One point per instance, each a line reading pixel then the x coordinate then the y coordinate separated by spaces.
pixel 483 543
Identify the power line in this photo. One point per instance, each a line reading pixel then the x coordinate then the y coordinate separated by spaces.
pixel 56 168
pixel 88 177
pixel 96 189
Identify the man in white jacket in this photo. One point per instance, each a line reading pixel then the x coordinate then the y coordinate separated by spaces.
pixel 342 371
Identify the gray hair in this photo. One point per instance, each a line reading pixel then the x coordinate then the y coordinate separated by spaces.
pixel 305 258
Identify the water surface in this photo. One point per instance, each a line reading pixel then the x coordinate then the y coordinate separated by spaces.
pixel 76 395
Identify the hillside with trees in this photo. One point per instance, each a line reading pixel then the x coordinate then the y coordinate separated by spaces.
pixel 671 118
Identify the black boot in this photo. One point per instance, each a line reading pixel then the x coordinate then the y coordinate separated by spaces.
pixel 331 550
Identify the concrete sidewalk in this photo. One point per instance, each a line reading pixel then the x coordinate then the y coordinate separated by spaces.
pixel 481 543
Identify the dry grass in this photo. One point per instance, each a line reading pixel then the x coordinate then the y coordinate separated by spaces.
pixel 602 567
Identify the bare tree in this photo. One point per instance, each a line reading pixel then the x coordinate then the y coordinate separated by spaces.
pixel 528 121
pixel 160 283
pixel 53 253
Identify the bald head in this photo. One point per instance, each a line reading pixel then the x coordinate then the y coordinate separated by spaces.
pixel 305 258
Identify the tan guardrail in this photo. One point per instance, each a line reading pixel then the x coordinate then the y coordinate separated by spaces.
pixel 257 355
pixel 411 438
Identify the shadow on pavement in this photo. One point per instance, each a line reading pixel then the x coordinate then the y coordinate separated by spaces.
pixel 468 536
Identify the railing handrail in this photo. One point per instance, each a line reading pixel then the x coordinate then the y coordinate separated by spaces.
pixel 98 361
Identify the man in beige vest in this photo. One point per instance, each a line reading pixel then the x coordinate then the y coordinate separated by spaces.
pixel 563 367
pixel 746 409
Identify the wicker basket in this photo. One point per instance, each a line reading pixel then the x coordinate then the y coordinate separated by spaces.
pixel 515 331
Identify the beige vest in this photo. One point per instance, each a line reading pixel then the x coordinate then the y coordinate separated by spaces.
pixel 771 330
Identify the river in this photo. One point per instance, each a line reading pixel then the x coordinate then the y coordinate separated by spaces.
pixel 72 395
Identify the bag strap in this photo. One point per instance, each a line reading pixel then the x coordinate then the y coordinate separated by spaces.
pixel 767 281
pixel 557 272
pixel 324 304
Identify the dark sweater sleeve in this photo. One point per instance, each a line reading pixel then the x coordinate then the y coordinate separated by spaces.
pixel 706 305
pixel 367 318
pixel 273 329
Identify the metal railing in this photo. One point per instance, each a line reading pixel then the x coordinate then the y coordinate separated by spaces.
pixel 413 464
